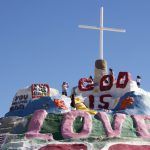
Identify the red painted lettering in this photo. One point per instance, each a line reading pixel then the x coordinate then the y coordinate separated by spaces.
pixel 83 87
pixel 122 80
pixel 106 82
pixel 91 102
pixel 106 104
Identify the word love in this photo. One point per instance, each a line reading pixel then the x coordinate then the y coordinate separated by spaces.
pixel 142 128
pixel 86 84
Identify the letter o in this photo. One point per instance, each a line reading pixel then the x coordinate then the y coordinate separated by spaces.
pixel 67 125
pixel 106 87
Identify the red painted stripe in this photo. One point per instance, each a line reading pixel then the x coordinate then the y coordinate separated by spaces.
pixel 64 147
pixel 129 147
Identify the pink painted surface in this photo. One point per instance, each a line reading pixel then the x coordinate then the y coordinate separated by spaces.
pixel 36 124
pixel 129 147
pixel 64 147
pixel 141 126
pixel 118 122
pixel 67 125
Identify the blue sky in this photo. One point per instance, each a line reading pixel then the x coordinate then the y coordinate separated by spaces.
pixel 40 42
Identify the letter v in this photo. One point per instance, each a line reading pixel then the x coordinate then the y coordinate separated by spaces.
pixel 117 124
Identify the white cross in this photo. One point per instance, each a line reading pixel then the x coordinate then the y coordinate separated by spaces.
pixel 101 29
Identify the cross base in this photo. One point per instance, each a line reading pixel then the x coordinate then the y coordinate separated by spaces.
pixel 100 70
